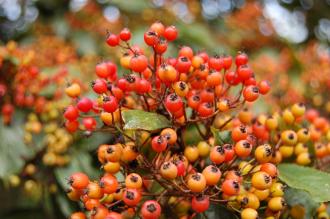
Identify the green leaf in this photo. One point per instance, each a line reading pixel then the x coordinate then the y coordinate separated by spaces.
pixel 300 202
pixel 315 182
pixel 92 142
pixel 13 150
pixel 221 137
pixel 63 202
pixel 138 119
pixel 217 211
pixel 191 135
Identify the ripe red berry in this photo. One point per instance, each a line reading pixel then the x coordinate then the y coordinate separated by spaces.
pixel 150 38
pixel 230 187
pixel 183 64
pixel 125 34
pixel 143 86
pixel 99 86
pixel 159 143
pixel 131 197
pixel 241 59
pixel 232 78
pixel 110 104
pixel 85 104
pixel 109 184
pixel 227 61
pixel 171 33
pixel 112 40
pixel 205 109
pixel 161 47
pixel 200 203
pixel 102 70
pixel 244 72
pixel 138 63
pixel 71 113
pixel 79 180
pixel 150 210
pixel 264 87
pixel 186 51
pixel 173 103
pixel 251 93
pixel 216 63
pixel 71 126
pixel 89 123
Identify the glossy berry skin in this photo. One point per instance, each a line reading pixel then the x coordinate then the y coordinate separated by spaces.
pixel 84 105
pixel 241 59
pixel 261 180
pixel 243 148
pixel 215 63
pixel 183 64
pixel 159 143
pixel 72 126
pixel 150 38
pixel 94 191
pixel 109 183
pixel 138 63
pixel 102 70
pixel 264 87
pixel 217 155
pixel 251 93
pixel 244 72
pixel 112 40
pixel 171 33
pixel 125 34
pixel 212 175
pixel 131 197
pixel 79 180
pixel 133 181
pixel 205 110
pixel 200 203
pixel 71 113
pixel 150 209
pixel 110 104
pixel 89 123
pixel 230 187
pixel 173 103
pixel 99 86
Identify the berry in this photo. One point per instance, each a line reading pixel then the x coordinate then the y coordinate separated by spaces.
pixel 171 33
pixel 125 34
pixel 79 180
pixel 112 40
pixel 150 210
pixel 200 203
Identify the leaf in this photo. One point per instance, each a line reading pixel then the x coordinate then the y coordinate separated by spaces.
pixel 92 142
pixel 315 182
pixel 221 137
pixel 64 204
pixel 13 150
pixel 138 119
pixel 191 135
pixel 301 203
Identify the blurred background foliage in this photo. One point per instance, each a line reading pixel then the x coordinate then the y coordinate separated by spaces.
pixel 288 41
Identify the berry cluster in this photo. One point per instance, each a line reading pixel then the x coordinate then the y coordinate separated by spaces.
pixel 160 169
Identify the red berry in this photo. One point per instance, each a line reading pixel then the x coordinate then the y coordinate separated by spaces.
pixel 173 103
pixel 251 93
pixel 110 104
pixel 138 63
pixel 109 184
pixel 244 72
pixel 102 70
pixel 227 61
pixel 264 87
pixel 71 113
pixel 241 59
pixel 150 210
pixel 232 78
pixel 99 86
pixel 159 143
pixel 216 63
pixel 131 197
pixel 150 38
pixel 79 180
pixel 230 187
pixel 113 40
pixel 171 33
pixel 200 203
pixel 71 126
pixel 205 109
pixel 85 104
pixel 89 123
pixel 125 34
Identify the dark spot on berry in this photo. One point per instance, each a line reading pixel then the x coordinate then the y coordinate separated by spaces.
pixel 134 178
pixel 196 177
pixel 214 169
pixel 151 208
pixel 130 195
